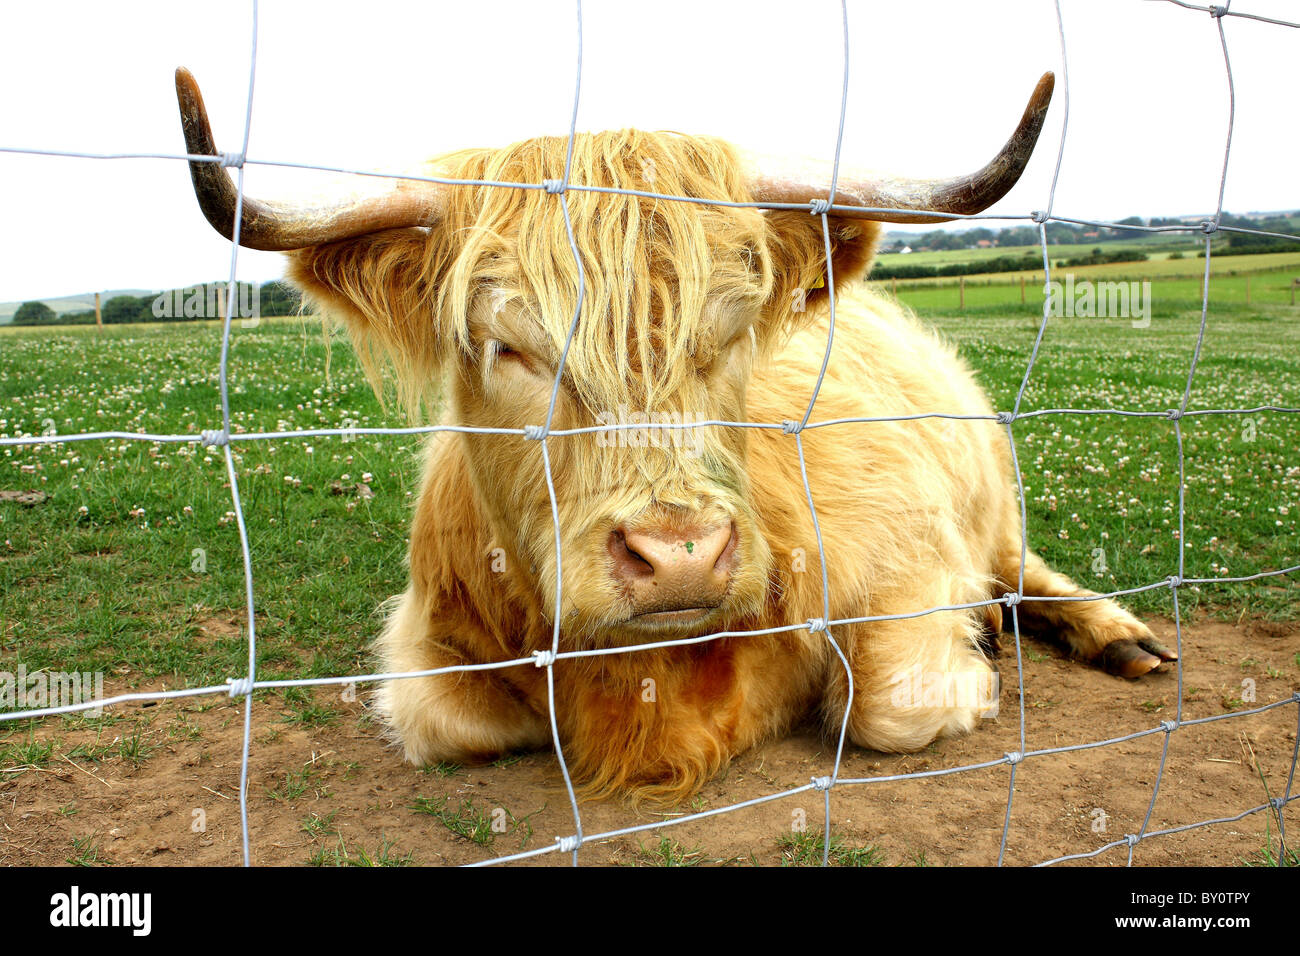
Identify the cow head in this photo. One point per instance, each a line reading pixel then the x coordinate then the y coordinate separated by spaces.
pixel 472 293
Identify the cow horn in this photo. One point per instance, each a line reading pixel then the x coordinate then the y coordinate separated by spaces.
pixel 280 227
pixel 802 182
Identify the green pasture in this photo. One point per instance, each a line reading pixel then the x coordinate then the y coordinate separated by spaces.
pixel 1166 255
pixel 1156 246
pixel 131 565
pixel 1170 294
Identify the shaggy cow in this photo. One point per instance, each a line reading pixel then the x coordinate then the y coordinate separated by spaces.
pixel 691 312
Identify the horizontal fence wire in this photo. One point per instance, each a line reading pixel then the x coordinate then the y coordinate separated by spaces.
pixel 224 437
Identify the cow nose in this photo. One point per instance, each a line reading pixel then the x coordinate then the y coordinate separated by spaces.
pixel 679 570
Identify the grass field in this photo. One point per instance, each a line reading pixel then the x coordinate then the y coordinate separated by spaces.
pixel 136 547
pixel 1156 246
pixel 1159 250
pixel 1240 286
pixel 135 551
pixel 1103 489
pixel 131 566
pixel 1170 295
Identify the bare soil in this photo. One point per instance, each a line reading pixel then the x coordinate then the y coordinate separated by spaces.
pixel 333 790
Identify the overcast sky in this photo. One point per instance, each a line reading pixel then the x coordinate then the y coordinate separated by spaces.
pixel 935 87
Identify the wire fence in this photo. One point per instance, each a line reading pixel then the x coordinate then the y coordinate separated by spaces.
pixel 247 685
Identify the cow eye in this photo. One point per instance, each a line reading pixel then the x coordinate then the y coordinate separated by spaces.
pixel 498 351
pixel 507 353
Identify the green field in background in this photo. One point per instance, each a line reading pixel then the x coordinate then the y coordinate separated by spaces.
pixel 135 552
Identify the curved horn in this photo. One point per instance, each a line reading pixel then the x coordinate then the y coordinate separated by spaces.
pixel 280 227
pixel 803 182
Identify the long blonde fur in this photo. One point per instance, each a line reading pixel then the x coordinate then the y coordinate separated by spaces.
pixel 715 312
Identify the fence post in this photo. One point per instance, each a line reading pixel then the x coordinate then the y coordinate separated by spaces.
pixel 961 285
pixel 99 319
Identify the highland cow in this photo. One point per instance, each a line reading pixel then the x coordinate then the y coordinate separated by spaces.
pixel 690 312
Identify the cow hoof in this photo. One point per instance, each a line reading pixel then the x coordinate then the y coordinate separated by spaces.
pixel 1131 658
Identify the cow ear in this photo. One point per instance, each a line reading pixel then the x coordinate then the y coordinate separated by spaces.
pixel 798 248
pixel 377 287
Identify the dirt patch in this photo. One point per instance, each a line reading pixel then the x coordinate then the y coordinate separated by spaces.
pixel 1276 630
pixel 159 784
pixel 27 498
pixel 98 553
pixel 215 628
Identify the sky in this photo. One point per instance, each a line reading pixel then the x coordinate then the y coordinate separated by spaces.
pixel 935 88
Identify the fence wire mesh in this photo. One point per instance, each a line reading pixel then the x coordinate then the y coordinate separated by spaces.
pixel 248 684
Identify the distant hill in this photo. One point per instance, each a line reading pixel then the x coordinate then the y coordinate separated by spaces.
pixel 203 300
pixel 70 303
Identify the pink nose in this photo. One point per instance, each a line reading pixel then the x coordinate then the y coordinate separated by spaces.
pixel 679 570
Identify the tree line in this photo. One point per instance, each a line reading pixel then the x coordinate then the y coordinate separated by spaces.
pixel 190 303
pixel 1062 233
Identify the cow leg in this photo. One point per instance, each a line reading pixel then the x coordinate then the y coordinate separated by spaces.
pixel 463 717
pixel 914 679
pixel 1098 631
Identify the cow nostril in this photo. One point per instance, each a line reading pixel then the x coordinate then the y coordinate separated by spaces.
pixel 686 567
pixel 683 554
pixel 627 562
pixel 728 556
